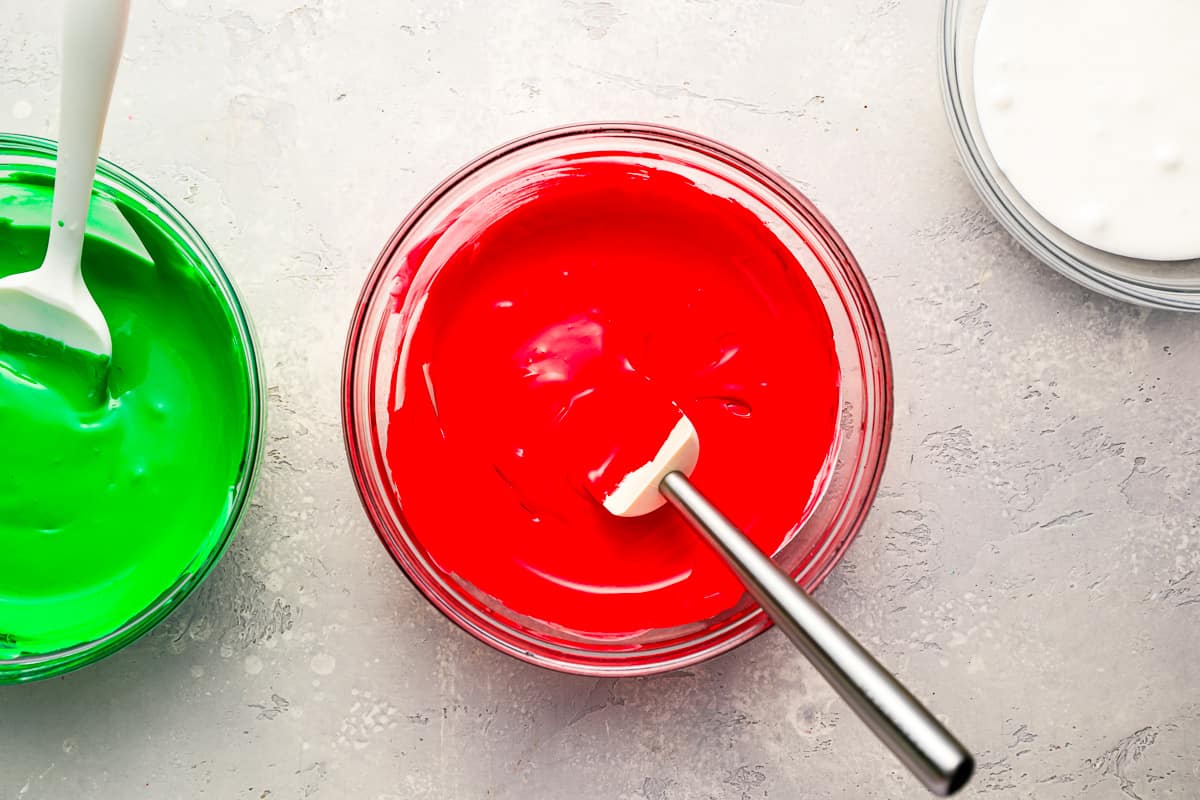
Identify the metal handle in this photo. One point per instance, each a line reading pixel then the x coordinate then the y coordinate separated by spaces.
pixel 911 732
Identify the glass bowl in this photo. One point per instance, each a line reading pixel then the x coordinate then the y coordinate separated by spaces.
pixel 1159 284
pixel 32 154
pixel 854 467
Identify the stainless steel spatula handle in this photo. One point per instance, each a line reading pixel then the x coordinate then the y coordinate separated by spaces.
pixel 911 732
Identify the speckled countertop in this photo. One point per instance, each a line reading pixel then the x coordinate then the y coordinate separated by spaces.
pixel 1032 564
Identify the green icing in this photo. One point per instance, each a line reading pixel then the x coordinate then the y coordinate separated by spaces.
pixel 113 485
pixel 25 200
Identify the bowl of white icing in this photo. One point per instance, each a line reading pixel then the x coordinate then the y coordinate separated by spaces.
pixel 1077 121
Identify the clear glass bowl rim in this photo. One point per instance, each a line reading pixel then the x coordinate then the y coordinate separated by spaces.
pixel 677 653
pixel 45 665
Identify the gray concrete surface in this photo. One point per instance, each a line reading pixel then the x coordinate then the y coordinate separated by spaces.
pixel 1032 565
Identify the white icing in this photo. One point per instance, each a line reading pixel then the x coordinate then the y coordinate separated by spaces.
pixel 1091 108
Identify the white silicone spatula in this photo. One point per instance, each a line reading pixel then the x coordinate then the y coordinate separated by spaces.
pixel 920 741
pixel 52 302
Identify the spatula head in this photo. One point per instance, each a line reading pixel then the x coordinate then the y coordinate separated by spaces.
pixel 636 493
pixel 50 310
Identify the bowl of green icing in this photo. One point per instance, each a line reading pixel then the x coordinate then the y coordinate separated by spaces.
pixel 119 491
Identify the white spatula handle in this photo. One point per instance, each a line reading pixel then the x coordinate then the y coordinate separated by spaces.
pixel 93 34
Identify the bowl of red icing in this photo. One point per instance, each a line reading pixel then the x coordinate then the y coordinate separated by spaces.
pixel 565 262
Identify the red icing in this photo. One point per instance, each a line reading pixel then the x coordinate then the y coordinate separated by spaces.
pixel 561 320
